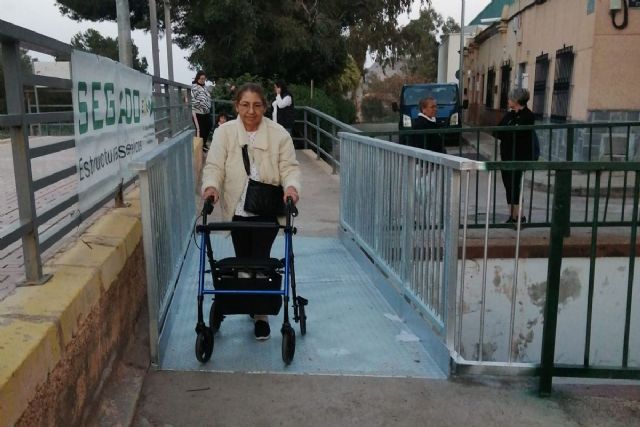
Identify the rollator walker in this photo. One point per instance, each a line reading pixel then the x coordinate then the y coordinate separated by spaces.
pixel 247 285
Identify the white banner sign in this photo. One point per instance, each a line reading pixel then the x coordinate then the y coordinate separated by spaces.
pixel 113 121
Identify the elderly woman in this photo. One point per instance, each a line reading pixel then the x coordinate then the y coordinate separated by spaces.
pixel 272 160
pixel 516 145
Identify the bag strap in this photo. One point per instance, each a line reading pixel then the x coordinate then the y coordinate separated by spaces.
pixel 245 159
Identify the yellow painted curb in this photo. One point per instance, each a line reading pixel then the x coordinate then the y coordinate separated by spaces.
pixel 109 260
pixel 36 323
pixel 68 296
pixel 29 350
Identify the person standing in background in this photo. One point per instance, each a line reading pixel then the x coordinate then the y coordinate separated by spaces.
pixel 283 107
pixel 201 108
pixel 516 145
pixel 426 120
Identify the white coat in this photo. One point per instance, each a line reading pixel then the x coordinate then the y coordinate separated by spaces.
pixel 272 153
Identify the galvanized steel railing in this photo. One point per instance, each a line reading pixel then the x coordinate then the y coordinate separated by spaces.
pixel 171 99
pixel 402 206
pixel 410 209
pixel 167 194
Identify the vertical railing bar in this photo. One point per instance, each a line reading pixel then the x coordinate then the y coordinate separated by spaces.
pixel 559 229
pixel 478 178
pixel 484 268
pixel 438 238
pixel 463 270
pixel 25 195
pixel 547 218
pixel 334 163
pixel 318 137
pixel 408 172
pixel 592 266
pixel 610 175
pixel 624 183
pixel 450 256
pixel 632 261
pixel 306 131
pixel 495 180
pixel 515 272
pixel 586 210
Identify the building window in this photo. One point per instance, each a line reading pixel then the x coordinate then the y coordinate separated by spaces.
pixel 491 81
pixel 505 80
pixel 540 85
pixel 523 76
pixel 591 6
pixel 562 84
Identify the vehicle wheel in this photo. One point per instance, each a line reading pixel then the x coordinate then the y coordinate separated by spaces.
pixel 204 345
pixel 303 320
pixel 288 344
pixel 215 319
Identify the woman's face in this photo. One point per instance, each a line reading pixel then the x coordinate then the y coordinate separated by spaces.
pixel 250 110
pixel 513 105
pixel 202 79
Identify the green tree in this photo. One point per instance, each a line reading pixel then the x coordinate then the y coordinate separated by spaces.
pixel 420 45
pixel 450 26
pixel 105 10
pixel 94 42
pixel 269 38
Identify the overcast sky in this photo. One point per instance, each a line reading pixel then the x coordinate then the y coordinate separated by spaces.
pixel 43 17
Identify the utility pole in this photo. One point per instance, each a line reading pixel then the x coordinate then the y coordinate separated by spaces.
pixel 167 29
pixel 153 23
pixel 124 32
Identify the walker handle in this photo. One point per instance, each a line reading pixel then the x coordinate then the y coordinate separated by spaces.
pixel 207 208
pixel 291 208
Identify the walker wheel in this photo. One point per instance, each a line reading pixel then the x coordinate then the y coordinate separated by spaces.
pixel 303 320
pixel 215 319
pixel 288 343
pixel 204 345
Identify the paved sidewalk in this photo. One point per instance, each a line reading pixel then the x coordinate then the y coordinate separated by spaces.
pixel 172 398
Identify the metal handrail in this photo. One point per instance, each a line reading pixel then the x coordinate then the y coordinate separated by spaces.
pixel 18 120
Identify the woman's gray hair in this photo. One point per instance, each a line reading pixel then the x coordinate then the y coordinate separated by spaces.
pixel 521 96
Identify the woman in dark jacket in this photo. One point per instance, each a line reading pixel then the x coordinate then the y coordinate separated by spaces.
pixel 283 107
pixel 516 145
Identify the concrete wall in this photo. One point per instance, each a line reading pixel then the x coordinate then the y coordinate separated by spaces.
pixel 616 62
pixel 610 292
pixel 58 339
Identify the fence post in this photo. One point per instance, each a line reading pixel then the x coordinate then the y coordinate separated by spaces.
pixel 559 227
pixel 450 272
pixel 306 131
pixel 317 138
pixel 334 169
pixel 168 99
pixel 22 163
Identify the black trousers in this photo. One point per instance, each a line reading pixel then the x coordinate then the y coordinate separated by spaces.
pixel 254 243
pixel 511 180
pixel 204 124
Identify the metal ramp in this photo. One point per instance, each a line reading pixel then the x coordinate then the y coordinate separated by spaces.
pixel 351 328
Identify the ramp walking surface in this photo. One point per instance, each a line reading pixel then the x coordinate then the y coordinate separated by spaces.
pixel 357 366
pixel 351 329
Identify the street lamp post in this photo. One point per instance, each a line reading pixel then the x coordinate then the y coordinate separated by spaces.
pixel 461 76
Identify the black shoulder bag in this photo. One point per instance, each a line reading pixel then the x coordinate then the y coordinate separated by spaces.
pixel 262 199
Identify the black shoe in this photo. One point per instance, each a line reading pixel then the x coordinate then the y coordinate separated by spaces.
pixel 513 220
pixel 262 330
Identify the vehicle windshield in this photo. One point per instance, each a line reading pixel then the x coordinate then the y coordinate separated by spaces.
pixel 445 94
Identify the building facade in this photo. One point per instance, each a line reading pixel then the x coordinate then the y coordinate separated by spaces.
pixel 578 63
